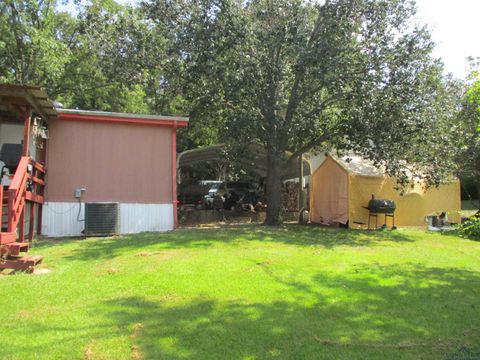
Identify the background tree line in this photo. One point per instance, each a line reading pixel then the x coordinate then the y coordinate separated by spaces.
pixel 350 75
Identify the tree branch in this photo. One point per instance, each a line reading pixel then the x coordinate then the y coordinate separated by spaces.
pixel 308 146
pixel 324 105
pixel 300 73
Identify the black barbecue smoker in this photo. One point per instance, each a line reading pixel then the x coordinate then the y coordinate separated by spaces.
pixel 379 207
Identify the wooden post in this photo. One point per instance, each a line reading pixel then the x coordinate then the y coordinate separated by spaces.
pixel 11 213
pixel 39 219
pixel 21 224
pixel 1 207
pixel 41 189
pixel 26 131
pixel 31 224
pixel 26 141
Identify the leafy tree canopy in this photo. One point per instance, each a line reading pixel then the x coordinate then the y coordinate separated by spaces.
pixel 467 135
pixel 100 58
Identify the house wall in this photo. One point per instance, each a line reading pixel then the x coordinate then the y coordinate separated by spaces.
pixel 11 133
pixel 126 163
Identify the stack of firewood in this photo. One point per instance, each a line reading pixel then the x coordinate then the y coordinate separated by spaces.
pixel 290 196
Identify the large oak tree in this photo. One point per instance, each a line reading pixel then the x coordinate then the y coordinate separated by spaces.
pixel 295 75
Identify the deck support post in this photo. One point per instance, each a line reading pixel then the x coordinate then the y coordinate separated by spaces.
pixel 31 224
pixel 39 219
pixel 21 224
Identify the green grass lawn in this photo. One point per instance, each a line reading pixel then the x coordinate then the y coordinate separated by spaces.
pixel 248 292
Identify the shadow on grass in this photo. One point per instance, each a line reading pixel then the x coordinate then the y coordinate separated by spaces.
pixel 204 238
pixel 373 312
pixel 421 313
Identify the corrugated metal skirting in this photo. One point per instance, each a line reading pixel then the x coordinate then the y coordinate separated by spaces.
pixel 135 218
pixel 61 219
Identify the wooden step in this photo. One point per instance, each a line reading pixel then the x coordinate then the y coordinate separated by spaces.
pixel 16 248
pixel 25 263
pixel 8 237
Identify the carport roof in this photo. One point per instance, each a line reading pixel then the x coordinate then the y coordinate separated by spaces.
pixel 254 158
pixel 14 96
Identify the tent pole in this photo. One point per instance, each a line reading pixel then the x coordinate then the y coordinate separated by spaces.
pixel 300 183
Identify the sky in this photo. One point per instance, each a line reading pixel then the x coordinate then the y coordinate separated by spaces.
pixel 454 29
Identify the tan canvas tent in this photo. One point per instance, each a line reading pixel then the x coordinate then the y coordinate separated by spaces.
pixel 339 191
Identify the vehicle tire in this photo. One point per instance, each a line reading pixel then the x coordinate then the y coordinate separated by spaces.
pixel 217 203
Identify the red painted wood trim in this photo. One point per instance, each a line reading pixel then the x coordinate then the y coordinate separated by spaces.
pixel 1 208
pixel 38 166
pixel 34 198
pixel 21 177
pixel 174 176
pixel 11 211
pixel 79 117
pixel 38 181
pixel 8 237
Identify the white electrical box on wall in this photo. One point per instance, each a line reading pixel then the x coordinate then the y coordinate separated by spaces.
pixel 79 192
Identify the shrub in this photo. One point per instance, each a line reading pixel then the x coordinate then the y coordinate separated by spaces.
pixel 470 228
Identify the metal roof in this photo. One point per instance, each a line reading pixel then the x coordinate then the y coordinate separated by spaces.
pixel 13 96
pixel 253 158
pixel 122 115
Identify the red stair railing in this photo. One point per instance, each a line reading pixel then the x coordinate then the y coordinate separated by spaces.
pixel 17 192
pixel 35 195
pixel 27 185
pixel 17 195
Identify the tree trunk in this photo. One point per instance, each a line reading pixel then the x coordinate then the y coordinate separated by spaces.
pixel 274 187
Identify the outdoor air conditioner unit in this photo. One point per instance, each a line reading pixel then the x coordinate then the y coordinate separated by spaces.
pixel 101 219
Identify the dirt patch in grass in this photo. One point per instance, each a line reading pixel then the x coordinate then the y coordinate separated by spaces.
pixel 89 350
pixel 264 263
pixel 259 264
pixel 41 271
pixel 136 352
pixel 403 345
pixel 144 253
pixel 24 314
pixel 162 255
